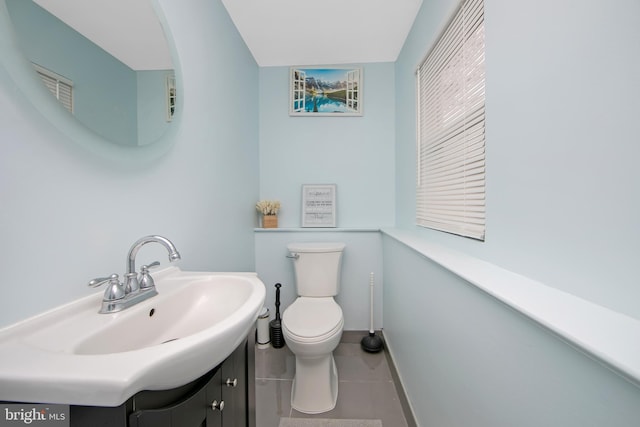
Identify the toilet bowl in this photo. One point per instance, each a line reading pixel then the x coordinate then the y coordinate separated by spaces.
pixel 312 326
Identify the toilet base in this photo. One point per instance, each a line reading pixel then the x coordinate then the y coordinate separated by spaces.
pixel 315 385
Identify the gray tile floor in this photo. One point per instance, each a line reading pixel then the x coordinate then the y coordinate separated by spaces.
pixel 366 389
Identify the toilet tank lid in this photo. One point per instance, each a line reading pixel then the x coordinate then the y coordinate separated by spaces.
pixel 316 247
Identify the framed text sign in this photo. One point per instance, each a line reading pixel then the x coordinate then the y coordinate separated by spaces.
pixel 319 205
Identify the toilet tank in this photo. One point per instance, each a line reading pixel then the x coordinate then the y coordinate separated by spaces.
pixel 317 268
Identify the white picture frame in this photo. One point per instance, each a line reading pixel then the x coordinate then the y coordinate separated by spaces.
pixel 319 205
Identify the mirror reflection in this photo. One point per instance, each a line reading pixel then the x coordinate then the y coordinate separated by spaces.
pixel 127 100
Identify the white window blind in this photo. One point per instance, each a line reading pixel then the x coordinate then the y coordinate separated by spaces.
pixel 59 86
pixel 170 81
pixel 451 144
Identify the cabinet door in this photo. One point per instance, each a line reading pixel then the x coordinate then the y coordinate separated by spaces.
pixel 192 411
pixel 234 388
pixel 215 403
pixel 95 416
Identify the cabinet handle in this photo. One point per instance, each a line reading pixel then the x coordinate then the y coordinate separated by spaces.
pixel 232 383
pixel 219 406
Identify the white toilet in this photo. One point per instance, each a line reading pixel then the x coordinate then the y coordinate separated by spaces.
pixel 312 325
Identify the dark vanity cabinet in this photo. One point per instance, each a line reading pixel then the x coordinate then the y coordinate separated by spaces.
pixel 217 399
pixel 201 407
pixel 235 386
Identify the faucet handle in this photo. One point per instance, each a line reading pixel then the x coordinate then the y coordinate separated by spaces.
pixel 114 290
pixel 101 281
pixel 146 281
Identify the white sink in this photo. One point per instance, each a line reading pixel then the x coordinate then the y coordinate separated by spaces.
pixel 74 355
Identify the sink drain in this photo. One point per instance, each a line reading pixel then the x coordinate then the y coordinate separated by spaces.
pixel 172 339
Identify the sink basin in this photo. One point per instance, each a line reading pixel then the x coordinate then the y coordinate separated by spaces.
pixel 74 355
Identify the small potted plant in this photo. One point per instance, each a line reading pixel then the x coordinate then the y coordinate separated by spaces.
pixel 269 210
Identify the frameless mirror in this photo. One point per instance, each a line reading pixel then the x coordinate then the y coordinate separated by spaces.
pixel 106 70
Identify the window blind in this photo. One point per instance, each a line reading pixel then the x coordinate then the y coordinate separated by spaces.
pixel 59 86
pixel 170 81
pixel 450 135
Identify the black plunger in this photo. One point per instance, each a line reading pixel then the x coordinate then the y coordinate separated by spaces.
pixel 275 330
pixel 371 343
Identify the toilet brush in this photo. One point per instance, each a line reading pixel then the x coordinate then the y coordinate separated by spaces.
pixel 371 343
pixel 275 326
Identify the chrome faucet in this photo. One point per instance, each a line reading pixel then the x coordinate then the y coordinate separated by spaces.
pixel 119 296
pixel 131 277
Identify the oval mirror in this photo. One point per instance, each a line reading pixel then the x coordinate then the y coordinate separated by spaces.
pixel 108 63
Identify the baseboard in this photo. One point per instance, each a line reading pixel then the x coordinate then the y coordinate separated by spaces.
pixel 402 395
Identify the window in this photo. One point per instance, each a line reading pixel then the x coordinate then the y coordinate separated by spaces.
pixel 171 96
pixel 298 91
pixel 353 77
pixel 59 86
pixel 450 132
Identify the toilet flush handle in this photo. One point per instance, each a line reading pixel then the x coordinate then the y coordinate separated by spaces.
pixel 293 255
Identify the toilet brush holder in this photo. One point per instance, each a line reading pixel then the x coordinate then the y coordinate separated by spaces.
pixel 275 326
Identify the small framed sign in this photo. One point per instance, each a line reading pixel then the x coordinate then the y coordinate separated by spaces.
pixel 319 205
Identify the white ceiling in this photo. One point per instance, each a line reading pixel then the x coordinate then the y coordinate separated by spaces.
pixel 277 32
pixel 306 32
pixel 128 29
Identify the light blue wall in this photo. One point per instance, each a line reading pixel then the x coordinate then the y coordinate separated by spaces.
pixel 353 152
pixel 562 207
pixel 152 105
pixel 71 207
pixel 466 359
pixel 356 153
pixel 562 101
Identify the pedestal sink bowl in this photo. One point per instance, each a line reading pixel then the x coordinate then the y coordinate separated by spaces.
pixel 74 355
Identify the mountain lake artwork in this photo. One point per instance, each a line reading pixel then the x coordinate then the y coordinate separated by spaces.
pixel 317 91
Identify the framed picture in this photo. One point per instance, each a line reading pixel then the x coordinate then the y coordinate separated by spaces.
pixel 318 91
pixel 319 205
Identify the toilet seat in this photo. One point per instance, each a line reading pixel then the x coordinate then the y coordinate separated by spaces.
pixel 312 319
